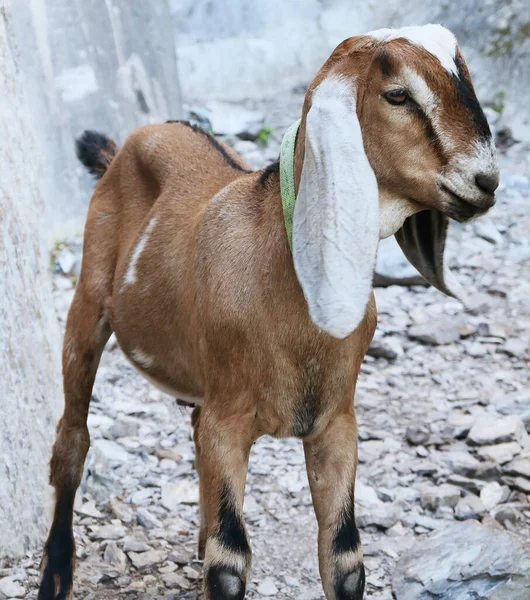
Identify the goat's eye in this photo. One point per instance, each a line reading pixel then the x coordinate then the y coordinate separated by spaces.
pixel 396 97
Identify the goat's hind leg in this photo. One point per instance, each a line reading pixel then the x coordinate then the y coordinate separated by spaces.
pixel 87 331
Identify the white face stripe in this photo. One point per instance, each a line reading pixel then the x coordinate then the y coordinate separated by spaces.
pixel 130 276
pixel 429 103
pixel 437 40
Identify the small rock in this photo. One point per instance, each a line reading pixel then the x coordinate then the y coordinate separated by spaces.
pixel 493 493
pixel 507 513
pixel 520 466
pixel 107 532
pixel 115 556
pixel 461 462
pixel 180 492
pixel 120 510
pixel 146 519
pixel 417 435
pixel 191 573
pixel 435 333
pixel 433 497
pixel 469 507
pixel 144 560
pixel 485 228
pixel 9 588
pixel 515 347
pixel 112 450
pixel 132 545
pixel 66 261
pixel 267 588
pixel 292 581
pixel 500 453
pixel 496 429
pixel 176 579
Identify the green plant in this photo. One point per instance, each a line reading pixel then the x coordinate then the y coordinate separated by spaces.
pixel 498 102
pixel 264 134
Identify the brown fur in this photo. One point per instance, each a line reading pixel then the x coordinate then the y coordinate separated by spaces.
pixel 215 310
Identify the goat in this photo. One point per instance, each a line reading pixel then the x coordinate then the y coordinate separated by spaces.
pixel 258 312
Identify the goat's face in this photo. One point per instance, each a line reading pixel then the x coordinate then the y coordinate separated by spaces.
pixel 395 143
pixel 424 131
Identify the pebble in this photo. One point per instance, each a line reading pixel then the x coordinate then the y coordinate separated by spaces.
pixel 496 429
pixel 493 493
pixel 417 435
pixel 267 588
pixel 11 589
pixel 469 507
pixel 115 556
pixel 143 560
pixel 435 333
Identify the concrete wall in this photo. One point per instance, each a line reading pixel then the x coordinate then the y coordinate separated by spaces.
pixel 30 377
pixel 108 65
pixel 243 48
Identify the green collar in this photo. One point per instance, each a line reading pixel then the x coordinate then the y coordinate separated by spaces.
pixel 287 186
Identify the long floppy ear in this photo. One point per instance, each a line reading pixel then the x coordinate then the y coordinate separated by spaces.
pixel 336 215
pixel 422 239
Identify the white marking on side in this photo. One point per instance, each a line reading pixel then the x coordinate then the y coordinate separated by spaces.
pixel 137 356
pixel 141 358
pixel 130 276
pixel 437 40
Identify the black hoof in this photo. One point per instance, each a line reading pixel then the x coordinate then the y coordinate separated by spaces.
pixel 224 583
pixel 351 586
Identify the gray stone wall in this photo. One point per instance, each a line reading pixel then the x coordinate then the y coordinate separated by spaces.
pixel 30 378
pixel 108 65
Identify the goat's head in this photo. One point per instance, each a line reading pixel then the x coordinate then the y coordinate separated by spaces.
pixel 395 142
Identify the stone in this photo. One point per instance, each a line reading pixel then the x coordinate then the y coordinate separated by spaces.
pixel 486 229
pixel 108 532
pixel 176 580
pixel 112 450
pixel 11 589
pixel 435 333
pixel 515 347
pixel 466 560
pixel 496 429
pixel 433 497
pixel 66 261
pixel 469 507
pixel 507 513
pixel 417 435
pixel 146 560
pixel 115 556
pixel 461 462
pixel 147 519
pixel 500 453
pixel 520 466
pixel 132 545
pixel 267 587
pixel 180 492
pixel 493 493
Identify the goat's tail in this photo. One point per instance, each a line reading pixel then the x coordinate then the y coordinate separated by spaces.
pixel 96 151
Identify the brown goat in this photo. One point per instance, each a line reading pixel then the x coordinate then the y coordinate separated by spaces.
pixel 187 260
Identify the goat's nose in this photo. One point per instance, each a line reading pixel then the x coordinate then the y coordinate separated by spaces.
pixel 487 182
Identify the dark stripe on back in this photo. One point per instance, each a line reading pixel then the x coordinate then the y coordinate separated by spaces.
pixel 231 533
pixel 468 97
pixel 215 143
pixel 269 171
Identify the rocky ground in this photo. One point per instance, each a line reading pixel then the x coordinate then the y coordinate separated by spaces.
pixel 443 405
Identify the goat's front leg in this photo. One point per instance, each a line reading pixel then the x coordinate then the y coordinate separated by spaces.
pixel 225 444
pixel 331 461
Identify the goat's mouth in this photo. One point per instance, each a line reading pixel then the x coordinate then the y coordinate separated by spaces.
pixel 460 209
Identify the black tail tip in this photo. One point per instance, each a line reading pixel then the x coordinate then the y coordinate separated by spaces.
pixel 96 151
